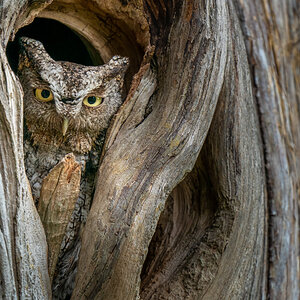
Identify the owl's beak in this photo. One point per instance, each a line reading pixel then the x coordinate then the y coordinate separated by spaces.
pixel 65 126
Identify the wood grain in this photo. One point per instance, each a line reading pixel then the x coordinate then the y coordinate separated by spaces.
pixel 197 194
pixel 23 247
pixel 271 30
pixel 59 193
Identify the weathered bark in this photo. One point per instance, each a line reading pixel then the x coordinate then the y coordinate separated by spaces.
pixel 59 193
pixel 231 172
pixel 198 186
pixel 274 58
pixel 23 247
pixel 186 98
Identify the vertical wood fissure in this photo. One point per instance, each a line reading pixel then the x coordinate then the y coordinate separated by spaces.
pixel 273 60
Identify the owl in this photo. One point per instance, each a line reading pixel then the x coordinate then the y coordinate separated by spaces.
pixel 67 108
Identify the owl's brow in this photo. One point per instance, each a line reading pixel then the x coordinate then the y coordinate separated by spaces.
pixel 38 81
pixel 97 91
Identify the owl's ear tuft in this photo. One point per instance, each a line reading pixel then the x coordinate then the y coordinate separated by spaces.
pixel 119 60
pixel 118 64
pixel 32 51
pixel 30 43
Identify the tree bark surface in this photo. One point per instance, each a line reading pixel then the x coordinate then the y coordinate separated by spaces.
pixel 198 187
pixel 23 247
pixel 149 156
pixel 59 193
pixel 271 30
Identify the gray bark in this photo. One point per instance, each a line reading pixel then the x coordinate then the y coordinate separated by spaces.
pixel 274 53
pixel 197 191
pixel 23 250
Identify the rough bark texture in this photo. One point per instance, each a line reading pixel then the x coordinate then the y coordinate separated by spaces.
pixel 156 152
pixel 197 191
pixel 273 48
pixel 59 193
pixel 23 247
pixel 230 172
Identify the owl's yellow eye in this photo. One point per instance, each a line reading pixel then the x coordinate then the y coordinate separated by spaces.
pixel 43 95
pixel 92 101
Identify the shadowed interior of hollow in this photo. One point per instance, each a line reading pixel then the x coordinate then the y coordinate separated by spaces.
pixel 60 42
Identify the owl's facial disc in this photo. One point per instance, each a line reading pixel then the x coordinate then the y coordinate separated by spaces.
pixel 68 111
pixel 68 108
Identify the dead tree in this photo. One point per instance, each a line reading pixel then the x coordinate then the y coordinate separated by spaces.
pixel 198 189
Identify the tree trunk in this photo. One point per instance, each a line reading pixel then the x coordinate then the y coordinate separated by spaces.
pixel 198 187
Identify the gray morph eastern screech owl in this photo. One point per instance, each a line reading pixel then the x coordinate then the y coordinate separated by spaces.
pixel 67 108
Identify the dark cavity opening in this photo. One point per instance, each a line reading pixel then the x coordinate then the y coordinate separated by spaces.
pixel 61 42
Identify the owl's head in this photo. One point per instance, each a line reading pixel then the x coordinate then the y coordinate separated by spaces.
pixel 67 105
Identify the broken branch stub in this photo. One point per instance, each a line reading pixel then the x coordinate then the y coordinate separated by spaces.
pixel 59 193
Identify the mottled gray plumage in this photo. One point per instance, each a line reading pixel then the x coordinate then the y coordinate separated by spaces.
pixel 65 124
